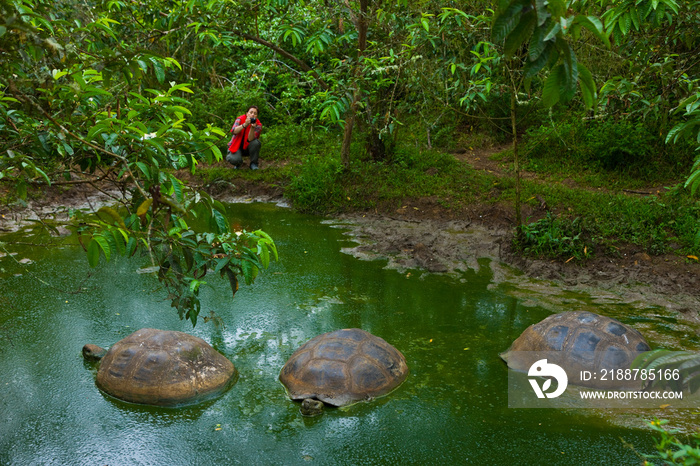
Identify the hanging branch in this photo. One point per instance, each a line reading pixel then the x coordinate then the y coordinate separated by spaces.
pixel 26 99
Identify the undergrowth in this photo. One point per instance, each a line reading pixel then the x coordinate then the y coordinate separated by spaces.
pixel 671 448
pixel 322 184
pixel 553 237
pixel 604 152
pixel 657 224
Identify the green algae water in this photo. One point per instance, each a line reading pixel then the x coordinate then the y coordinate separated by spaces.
pixel 452 409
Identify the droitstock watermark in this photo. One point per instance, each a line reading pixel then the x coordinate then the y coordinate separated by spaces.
pixel 554 379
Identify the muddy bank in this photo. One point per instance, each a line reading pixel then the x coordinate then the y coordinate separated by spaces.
pixel 56 206
pixel 450 246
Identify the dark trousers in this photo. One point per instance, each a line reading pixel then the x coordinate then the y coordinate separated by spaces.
pixel 252 151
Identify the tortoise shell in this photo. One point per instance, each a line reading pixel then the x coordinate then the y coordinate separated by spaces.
pixel 578 341
pixel 343 367
pixel 164 368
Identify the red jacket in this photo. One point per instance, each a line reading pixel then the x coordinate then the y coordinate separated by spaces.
pixel 235 143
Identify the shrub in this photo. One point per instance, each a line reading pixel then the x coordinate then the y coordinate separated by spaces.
pixel 553 237
pixel 624 147
pixel 316 187
pixel 670 449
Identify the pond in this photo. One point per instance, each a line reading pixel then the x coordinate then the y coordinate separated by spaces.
pixel 452 409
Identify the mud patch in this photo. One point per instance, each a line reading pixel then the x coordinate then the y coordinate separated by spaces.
pixel 653 285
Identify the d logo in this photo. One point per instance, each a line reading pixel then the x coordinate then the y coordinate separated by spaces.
pixel 543 369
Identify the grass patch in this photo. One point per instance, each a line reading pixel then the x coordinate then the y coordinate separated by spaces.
pixel 322 184
pixel 657 224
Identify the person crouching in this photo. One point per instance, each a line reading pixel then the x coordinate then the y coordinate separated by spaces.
pixel 246 139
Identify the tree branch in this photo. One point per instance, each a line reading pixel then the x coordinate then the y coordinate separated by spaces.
pixel 285 54
pixel 24 98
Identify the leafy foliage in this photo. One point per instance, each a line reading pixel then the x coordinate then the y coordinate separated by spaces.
pixel 554 237
pixel 180 254
pixel 689 129
pixel 670 449
pixel 686 363
pixel 627 15
pixel 99 108
pixel 623 147
pixel 543 28
pixel 317 187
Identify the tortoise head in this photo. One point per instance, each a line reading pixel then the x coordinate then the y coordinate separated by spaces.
pixel 311 407
pixel 93 353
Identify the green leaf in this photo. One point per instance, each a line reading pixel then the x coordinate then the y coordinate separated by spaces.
pixel 181 87
pixel 552 87
pixel 120 241
pixel 189 258
pixel 537 43
pixel 104 245
pixel 144 169
pixel 673 134
pixel 177 188
pixel 264 254
pixel 556 29
pixel 43 174
pixel 93 253
pixel 233 280
pixel 693 182
pixel 624 23
pixel 97 129
pixel 570 76
pixel 221 263
pixel 178 108
pixel 113 215
pixel 131 246
pixel 155 142
pixel 542 12
pixel 159 70
pixel 646 359
pixel 594 25
pixel 57 74
pixel 249 271
pixel 520 34
pixel 588 87
pixel 220 220
pixel 548 55
pixel 506 20
pixel 216 152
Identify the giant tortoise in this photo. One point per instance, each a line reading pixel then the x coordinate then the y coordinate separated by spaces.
pixel 341 368
pixel 579 341
pixel 161 368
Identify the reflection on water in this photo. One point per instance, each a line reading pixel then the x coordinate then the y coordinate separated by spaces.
pixel 452 409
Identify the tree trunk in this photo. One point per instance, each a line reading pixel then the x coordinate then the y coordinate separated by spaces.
pixel 285 54
pixel 347 136
pixel 361 25
pixel 516 162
